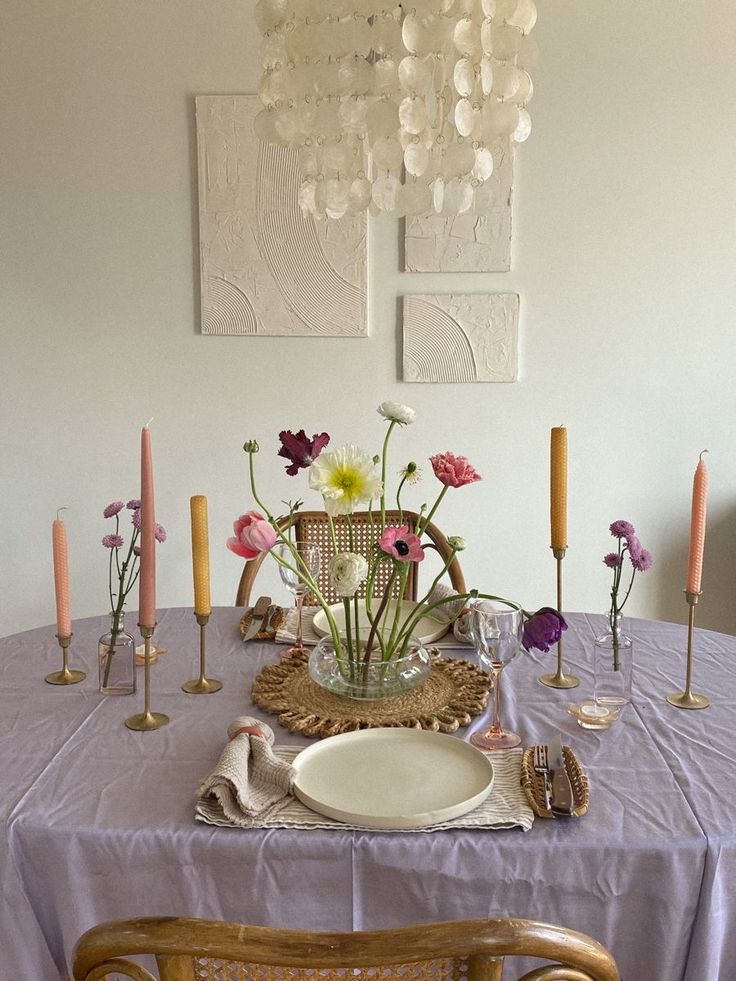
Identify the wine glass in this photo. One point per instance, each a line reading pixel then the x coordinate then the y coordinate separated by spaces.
pixel 296 560
pixel 497 635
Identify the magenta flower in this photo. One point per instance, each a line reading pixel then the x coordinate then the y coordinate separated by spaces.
pixel 453 471
pixel 643 560
pixel 136 519
pixel 112 509
pixel 300 450
pixel 253 535
pixel 402 544
pixel 634 547
pixel 112 541
pixel 133 505
pixel 622 529
pixel 612 560
pixel 159 532
pixel 543 629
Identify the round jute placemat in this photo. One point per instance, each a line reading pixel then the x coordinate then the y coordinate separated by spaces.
pixel 454 692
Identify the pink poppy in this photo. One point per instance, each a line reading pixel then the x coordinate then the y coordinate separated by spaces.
pixel 453 471
pixel 253 535
pixel 402 543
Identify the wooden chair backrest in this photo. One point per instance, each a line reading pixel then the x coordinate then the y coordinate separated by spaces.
pixel 313 526
pixel 205 950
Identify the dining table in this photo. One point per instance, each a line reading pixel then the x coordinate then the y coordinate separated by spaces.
pixel 98 820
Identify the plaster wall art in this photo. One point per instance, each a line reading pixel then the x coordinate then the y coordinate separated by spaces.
pixel 266 268
pixel 470 337
pixel 477 241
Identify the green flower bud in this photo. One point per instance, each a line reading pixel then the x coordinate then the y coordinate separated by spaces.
pixel 251 446
pixel 457 543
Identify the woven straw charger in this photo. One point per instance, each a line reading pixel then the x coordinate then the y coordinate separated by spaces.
pixel 450 697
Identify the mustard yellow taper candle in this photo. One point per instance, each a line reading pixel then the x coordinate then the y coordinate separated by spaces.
pixel 200 555
pixel 558 487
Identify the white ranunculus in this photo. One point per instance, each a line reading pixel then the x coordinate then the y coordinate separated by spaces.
pixel 396 412
pixel 347 571
pixel 346 478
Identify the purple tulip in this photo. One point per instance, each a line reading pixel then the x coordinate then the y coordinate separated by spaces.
pixel 543 628
pixel 301 450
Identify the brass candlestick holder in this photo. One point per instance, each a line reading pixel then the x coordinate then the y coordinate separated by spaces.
pixel 201 685
pixel 688 699
pixel 559 679
pixel 147 719
pixel 65 676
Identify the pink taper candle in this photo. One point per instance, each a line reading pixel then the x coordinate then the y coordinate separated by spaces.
pixel 147 594
pixel 697 528
pixel 61 579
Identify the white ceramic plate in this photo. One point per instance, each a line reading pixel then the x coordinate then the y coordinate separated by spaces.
pixel 392 778
pixel 426 631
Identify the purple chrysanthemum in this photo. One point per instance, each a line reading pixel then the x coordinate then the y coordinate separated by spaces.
pixel 136 519
pixel 159 532
pixel 112 541
pixel 622 529
pixel 612 560
pixel 634 547
pixel 133 504
pixel 112 509
pixel 643 561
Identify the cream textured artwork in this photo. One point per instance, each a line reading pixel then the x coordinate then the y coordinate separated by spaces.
pixel 468 337
pixel 265 267
pixel 477 241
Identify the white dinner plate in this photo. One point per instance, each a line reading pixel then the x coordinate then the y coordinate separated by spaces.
pixel 392 778
pixel 426 631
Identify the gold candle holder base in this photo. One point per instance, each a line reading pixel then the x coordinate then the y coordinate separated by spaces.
pixel 66 676
pixel 201 685
pixel 558 678
pixel 146 720
pixel 689 699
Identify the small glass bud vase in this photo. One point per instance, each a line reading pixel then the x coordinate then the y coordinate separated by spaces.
pixel 613 667
pixel 116 651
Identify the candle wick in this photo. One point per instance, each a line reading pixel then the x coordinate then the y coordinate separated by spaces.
pixel 701 455
pixel 64 508
pixel 149 422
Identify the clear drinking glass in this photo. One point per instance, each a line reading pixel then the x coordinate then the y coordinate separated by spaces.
pixel 297 560
pixel 497 636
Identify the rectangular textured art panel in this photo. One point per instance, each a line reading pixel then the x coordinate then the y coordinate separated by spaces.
pixel 477 241
pixel 461 337
pixel 266 268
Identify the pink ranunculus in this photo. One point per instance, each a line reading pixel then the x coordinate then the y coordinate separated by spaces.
pixel 453 471
pixel 253 535
pixel 402 544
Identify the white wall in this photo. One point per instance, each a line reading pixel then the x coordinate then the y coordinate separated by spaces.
pixel 623 255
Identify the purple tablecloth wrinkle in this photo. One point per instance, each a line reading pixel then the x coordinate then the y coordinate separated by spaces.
pixel 99 820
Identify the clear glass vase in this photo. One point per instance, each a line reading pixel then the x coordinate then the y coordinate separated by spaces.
pixel 116 650
pixel 613 667
pixel 337 672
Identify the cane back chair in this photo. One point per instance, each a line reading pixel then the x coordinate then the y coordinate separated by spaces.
pixel 206 950
pixel 313 526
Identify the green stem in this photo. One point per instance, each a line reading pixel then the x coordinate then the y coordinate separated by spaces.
pixel 384 455
pixel 423 526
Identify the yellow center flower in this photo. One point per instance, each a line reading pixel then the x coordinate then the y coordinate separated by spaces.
pixel 346 479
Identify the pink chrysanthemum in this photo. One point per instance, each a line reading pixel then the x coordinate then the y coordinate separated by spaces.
pixel 159 532
pixel 112 509
pixel 643 561
pixel 453 471
pixel 612 560
pixel 133 504
pixel 112 541
pixel 622 529
pixel 136 519
pixel 402 544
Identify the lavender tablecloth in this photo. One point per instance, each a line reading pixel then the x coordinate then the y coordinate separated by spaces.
pixel 99 820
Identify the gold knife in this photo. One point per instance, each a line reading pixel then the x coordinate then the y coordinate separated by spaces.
pixel 251 622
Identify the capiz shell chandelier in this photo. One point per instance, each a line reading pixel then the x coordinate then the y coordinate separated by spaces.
pixel 395 108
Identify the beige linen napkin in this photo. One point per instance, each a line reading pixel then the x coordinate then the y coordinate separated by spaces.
pixel 249 783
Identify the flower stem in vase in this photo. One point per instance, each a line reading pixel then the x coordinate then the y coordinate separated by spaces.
pixel 114 631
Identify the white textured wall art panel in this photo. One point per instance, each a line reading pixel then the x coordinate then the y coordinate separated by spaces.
pixel 470 337
pixel 266 268
pixel 478 241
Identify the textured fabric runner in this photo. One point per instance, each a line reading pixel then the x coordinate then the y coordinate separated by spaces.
pixel 505 807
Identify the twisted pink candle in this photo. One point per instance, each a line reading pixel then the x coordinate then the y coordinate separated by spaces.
pixel 697 529
pixel 147 588
pixel 61 579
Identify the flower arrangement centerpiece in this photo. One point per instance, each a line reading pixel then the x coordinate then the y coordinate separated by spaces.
pixel 350 480
pixel 117 648
pixel 640 560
